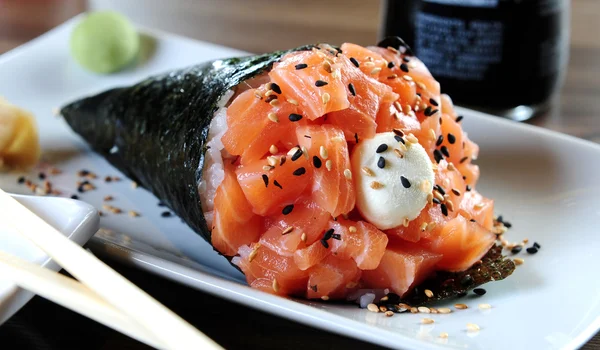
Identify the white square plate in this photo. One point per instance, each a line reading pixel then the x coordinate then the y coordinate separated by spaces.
pixel 545 183
pixel 77 220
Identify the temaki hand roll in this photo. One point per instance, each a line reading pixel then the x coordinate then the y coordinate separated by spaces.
pixel 317 171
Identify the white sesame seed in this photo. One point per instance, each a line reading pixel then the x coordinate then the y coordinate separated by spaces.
pixel 430 198
pixel 518 261
pixel 274 103
pixel 472 327
pixel 451 166
pixel 287 230
pixel 303 237
pixel 133 213
pixel 389 313
pixel 369 64
pixel 382 308
pixel 406 109
pixel 461 306
pixel 273 149
pixel 444 335
pixel 275 286
pixel 423 309
pixel 444 310
pixel 367 171
pixel 292 101
pixel 376 70
pixel 427 321
pixel 478 206
pixel 134 184
pixel 484 306
pixel 348 174
pixel 372 307
pixel 292 151
pixel 432 135
pixel 272 160
pixel 431 226
pixel 325 98
pixel 376 185
pixel 305 152
pixel 323 152
pixel 429 293
pixel 423 227
pixel 267 168
pixel 421 85
pixel 325 297
pixel 328 164
pixel 405 222
pixel 412 138
pixel 327 66
pixel 269 93
pixel 412 65
pixel 425 186
pixel 273 117
pixel 352 229
pixel 407 77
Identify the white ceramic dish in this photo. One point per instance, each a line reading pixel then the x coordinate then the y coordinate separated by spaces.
pixel 75 219
pixel 543 182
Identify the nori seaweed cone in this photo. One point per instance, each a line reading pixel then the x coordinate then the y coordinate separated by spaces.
pixel 156 131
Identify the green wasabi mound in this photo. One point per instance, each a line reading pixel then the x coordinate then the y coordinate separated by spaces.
pixel 104 42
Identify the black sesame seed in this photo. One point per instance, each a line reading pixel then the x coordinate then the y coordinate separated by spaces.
pixel 83 172
pixel 324 243
pixel 468 188
pixel 42 176
pixel 455 191
pixel 300 171
pixel 390 65
pixel 308 136
pixel 532 250
pixel 509 225
pixel 317 162
pixel 459 118
pixel 444 209
pixel 441 120
pixel 440 189
pixel 437 156
pixel 472 220
pixel 463 159
pixel 165 214
pixel 301 66
pixel 320 83
pixel 161 204
pixel 516 249
pixel 297 155
pixel 404 67
pixel 352 90
pixel 74 196
pixel 381 163
pixel 275 88
pixel 282 161
pixel 535 244
pixel 21 179
pixel 433 102
pixel 336 236
pixel 356 137
pixel 294 117
pixel 265 180
pixel 277 184
pixel 328 234
pixel 444 150
pixel 466 281
pixel 398 132
pixel 287 209
pixel 500 219
pixel 399 139
pixel 439 141
pixel 354 62
pixel 381 148
pixel 436 201
pixel 428 111
pixel 451 138
pixel 405 182
pixel 479 291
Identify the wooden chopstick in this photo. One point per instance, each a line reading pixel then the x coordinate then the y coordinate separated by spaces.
pixel 169 328
pixel 72 295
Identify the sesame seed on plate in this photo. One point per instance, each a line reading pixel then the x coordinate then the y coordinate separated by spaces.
pixel 444 335
pixel 372 307
pixel 427 321
pixel 479 291
pixel 461 306
pixel 389 313
pixel 424 309
pixel 484 306
pixel 472 327
pixel 518 261
pixel 444 310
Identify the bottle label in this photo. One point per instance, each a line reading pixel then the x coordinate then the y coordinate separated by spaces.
pixel 468 3
pixel 453 48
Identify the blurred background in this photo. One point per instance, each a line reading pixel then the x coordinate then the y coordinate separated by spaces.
pixel 266 25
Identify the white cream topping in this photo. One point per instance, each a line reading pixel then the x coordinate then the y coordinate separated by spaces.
pixel 395 194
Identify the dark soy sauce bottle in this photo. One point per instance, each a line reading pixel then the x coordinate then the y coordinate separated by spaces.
pixel 506 57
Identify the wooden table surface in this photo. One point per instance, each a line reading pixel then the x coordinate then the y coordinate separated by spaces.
pixel 264 25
